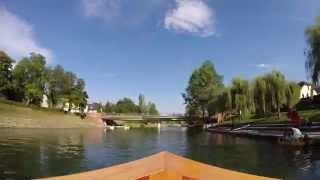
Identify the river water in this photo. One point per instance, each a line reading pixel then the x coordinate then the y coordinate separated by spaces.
pixel 35 153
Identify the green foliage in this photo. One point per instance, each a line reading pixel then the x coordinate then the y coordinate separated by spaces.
pixel 142 104
pixel 292 94
pixel 259 95
pixel 313 51
pixel 78 96
pixel 241 97
pixel 109 108
pixel 263 96
pixel 273 92
pixel 204 86
pixel 193 111
pixel 222 103
pixel 276 85
pixel 5 74
pixel 152 109
pixel 126 105
pixel 30 77
pixel 56 85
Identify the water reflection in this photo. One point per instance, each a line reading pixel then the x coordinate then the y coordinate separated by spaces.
pixel 37 153
pixel 28 154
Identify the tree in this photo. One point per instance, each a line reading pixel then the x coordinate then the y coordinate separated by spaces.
pixel 259 95
pixel 276 85
pixel 5 74
pixel 224 101
pixel 241 97
pixel 78 95
pixel 30 79
pixel 126 105
pixel 142 104
pixel 313 51
pixel 204 85
pixel 292 94
pixel 109 107
pixel 55 85
pixel 193 111
pixel 152 109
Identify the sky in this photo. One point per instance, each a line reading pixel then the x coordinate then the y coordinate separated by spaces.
pixel 122 48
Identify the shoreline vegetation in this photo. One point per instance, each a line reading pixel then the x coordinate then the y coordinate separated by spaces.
pixel 16 115
pixel 36 95
pixel 19 115
pixel 268 95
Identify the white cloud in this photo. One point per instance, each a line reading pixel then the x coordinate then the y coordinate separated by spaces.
pixel 264 66
pixel 16 37
pixel 105 9
pixel 191 16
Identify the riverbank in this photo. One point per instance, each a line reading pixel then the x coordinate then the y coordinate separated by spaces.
pixel 18 116
pixel 142 121
pixel 312 115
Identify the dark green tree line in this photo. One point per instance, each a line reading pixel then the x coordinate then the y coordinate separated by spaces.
pixel 267 94
pixel 127 106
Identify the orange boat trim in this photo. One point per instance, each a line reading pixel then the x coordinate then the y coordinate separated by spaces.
pixel 162 166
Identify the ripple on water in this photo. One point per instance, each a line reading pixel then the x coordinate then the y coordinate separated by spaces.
pixel 41 153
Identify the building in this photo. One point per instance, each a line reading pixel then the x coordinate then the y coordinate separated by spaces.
pixel 94 108
pixel 306 91
pixel 64 106
pixel 44 103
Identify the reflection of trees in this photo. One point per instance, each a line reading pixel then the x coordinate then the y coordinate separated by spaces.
pixel 280 161
pixel 64 154
pixel 122 146
pixel 222 150
pixel 29 154
pixel 16 149
pixel 256 156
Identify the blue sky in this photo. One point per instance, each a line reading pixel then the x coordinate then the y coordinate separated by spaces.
pixel 124 47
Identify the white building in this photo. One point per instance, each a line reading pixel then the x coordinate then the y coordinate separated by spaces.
pixel 44 103
pixel 64 106
pixel 73 108
pixel 306 90
pixel 94 108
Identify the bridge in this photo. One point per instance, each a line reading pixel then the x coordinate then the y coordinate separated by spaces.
pixel 127 119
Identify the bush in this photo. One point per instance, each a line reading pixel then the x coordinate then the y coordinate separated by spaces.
pixel 309 103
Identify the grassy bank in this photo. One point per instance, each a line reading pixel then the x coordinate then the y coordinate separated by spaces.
pixel 309 115
pixel 18 116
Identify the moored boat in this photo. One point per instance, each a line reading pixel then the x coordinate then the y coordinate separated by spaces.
pixel 162 166
pixel 294 137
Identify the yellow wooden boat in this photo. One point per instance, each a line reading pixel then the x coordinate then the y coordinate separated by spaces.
pixel 162 166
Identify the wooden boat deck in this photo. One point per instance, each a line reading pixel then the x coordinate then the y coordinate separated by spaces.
pixel 162 166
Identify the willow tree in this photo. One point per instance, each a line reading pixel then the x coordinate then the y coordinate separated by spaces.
pixel 276 90
pixel 241 96
pixel 204 85
pixel 221 104
pixel 292 94
pixel 259 94
pixel 313 51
